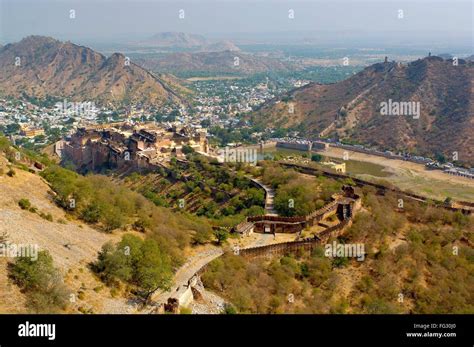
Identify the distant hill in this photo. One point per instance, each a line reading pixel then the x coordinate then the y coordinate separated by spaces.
pixel 351 109
pixel 224 45
pixel 445 56
pixel 193 42
pixel 175 39
pixel 225 62
pixel 48 67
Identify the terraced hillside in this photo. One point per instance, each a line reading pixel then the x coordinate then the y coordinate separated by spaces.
pixel 200 187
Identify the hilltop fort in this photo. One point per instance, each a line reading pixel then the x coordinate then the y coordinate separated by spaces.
pixel 122 145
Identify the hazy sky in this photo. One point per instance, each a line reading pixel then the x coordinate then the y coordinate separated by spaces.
pixel 449 21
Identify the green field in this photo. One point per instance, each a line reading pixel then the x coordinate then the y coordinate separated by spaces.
pixel 353 167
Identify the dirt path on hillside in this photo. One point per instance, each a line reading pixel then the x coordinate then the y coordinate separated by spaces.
pixel 209 253
pixel 269 197
pixel 187 271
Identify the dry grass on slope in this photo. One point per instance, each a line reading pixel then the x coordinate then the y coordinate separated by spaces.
pixel 68 243
pixel 72 245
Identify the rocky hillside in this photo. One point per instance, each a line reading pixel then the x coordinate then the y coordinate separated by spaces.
pixel 71 243
pixel 41 66
pixel 355 108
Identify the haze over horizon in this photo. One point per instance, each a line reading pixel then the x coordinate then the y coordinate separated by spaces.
pixel 437 24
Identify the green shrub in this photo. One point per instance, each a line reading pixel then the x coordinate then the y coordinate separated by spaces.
pixel 24 203
pixel 41 281
pixel 46 216
pixel 221 235
pixel 141 263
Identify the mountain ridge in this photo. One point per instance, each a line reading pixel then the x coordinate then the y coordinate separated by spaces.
pixel 350 109
pixel 42 66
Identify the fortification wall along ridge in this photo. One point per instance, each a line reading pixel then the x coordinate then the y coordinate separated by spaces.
pixel 464 207
pixel 185 295
pixel 295 246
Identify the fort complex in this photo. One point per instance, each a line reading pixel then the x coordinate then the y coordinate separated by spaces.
pixel 123 145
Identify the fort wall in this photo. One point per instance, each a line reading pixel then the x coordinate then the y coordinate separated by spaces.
pixel 464 208
pixel 295 145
